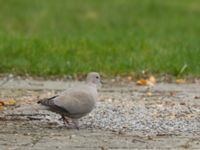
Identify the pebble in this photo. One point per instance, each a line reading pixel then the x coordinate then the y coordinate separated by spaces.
pixel 72 136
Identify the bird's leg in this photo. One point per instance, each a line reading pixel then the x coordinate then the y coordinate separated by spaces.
pixel 76 124
pixel 65 121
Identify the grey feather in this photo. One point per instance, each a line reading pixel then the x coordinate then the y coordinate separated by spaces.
pixel 77 101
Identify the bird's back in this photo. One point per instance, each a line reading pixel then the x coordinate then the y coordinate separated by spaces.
pixel 75 102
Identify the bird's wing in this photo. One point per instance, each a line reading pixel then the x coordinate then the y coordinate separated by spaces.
pixel 77 102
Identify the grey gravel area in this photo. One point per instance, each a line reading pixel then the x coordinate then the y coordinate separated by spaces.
pixel 127 116
pixel 168 110
pixel 125 107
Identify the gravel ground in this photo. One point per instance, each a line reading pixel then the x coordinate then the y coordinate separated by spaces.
pixel 165 109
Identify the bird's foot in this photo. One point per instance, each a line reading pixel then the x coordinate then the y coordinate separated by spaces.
pixel 65 121
pixel 76 124
pixel 70 123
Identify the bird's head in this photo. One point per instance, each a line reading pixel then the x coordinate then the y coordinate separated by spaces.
pixel 93 77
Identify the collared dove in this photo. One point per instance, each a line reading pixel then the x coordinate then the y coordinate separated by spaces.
pixel 75 102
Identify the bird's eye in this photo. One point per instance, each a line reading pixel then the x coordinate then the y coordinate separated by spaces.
pixel 97 77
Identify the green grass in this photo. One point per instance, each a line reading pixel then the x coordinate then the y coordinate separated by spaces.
pixel 48 37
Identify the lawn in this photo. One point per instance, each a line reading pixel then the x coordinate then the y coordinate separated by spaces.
pixel 48 37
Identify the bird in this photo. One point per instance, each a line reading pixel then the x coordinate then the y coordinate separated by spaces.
pixel 76 102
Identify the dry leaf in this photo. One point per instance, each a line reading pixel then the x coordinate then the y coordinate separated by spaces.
pixel 142 82
pixel 9 102
pixel 151 81
pixel 180 81
pixel 1 106
pixel 1 103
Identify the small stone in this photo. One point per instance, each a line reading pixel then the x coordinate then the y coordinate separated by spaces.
pixel 182 103
pixel 149 94
pixel 58 147
pixel 149 137
pixel 121 132
pixel 110 100
pixel 197 97
pixel 72 136
pixel 27 133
